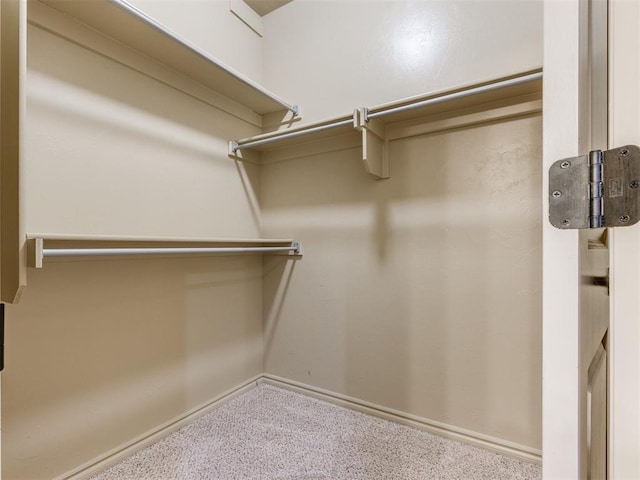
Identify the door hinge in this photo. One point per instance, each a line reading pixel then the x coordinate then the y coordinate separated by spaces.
pixel 596 190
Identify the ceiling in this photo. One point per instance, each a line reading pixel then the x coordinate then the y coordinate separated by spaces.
pixel 262 7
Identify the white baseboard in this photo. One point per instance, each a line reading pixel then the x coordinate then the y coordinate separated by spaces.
pixel 469 437
pixel 127 449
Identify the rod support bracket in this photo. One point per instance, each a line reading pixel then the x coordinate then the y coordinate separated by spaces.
pixel 375 145
pixel 365 115
pixel 38 252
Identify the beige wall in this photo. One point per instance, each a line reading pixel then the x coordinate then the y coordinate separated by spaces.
pixel 420 293
pixel 113 152
pixel 100 352
pixel 333 56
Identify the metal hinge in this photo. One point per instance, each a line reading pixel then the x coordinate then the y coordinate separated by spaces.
pixel 596 190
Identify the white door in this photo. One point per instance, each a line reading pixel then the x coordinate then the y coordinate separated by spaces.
pixel 585 349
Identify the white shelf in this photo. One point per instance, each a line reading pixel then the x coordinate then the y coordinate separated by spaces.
pixel 68 237
pixel 129 26
pixel 460 98
pixel 492 100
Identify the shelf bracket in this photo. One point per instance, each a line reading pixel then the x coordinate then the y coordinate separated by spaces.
pixel 375 146
pixel 35 253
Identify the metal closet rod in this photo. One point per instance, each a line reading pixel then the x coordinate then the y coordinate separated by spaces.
pixel 235 146
pixel 456 95
pixel 86 252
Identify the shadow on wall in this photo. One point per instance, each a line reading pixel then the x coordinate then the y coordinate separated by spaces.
pixel 250 181
pixel 278 273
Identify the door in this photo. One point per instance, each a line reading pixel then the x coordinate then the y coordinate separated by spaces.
pixel 591 365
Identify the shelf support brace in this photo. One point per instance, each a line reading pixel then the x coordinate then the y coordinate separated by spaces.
pixel 375 146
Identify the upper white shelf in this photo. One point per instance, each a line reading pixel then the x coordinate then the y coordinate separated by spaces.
pixel 126 24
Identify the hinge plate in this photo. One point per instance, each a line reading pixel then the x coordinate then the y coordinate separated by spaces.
pixel 600 189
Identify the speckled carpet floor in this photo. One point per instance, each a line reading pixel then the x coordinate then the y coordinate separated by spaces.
pixel 270 433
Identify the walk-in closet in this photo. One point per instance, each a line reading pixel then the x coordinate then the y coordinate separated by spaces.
pixel 326 207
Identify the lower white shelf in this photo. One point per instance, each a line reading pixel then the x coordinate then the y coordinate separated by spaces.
pixel 41 246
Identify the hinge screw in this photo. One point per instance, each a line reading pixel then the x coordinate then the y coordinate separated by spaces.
pixel 634 184
pixel 557 194
pixel 624 152
pixel 625 218
pixel 565 223
pixel 565 164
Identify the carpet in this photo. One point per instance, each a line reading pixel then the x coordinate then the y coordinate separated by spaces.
pixel 269 433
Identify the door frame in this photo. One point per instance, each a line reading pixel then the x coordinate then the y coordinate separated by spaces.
pixel 624 330
pixel 565 100
pixel 566 134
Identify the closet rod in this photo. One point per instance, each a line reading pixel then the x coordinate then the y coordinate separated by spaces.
pixel 454 96
pixel 235 146
pixel 86 252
